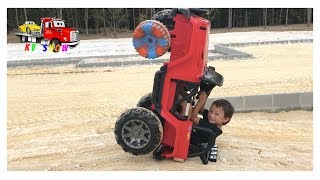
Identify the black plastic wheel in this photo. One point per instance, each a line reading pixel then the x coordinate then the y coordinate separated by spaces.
pixel 157 154
pixel 55 42
pixel 138 131
pixel 165 17
pixel 145 101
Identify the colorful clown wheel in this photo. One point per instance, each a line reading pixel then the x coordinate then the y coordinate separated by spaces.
pixel 151 39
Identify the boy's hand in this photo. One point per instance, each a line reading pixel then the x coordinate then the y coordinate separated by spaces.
pixel 198 107
pixel 202 95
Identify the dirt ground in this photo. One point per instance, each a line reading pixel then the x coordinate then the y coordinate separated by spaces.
pixel 62 118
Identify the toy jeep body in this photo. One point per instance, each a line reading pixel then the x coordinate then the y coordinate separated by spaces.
pixel 158 125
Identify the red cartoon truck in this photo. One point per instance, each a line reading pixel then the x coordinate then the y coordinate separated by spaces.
pixel 53 31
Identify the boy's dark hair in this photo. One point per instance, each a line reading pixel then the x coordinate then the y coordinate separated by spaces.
pixel 226 107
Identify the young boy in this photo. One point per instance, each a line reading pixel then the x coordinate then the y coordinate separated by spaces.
pixel 219 114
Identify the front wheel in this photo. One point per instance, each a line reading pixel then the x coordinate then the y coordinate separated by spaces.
pixel 157 154
pixel 138 131
pixel 56 45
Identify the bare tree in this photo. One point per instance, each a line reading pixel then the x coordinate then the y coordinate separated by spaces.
pixel 80 19
pixel 25 14
pixel 272 17
pixel 234 18
pixel 212 13
pixel 134 18
pixel 104 22
pixel 230 19
pixel 73 18
pixel 280 14
pixel 116 18
pixel 17 17
pixel 97 26
pixel 265 17
pixel 287 14
pixel 60 12
pixel 246 19
pixel 111 20
pixel 152 12
pixel 309 11
pixel 86 18
pixel 76 15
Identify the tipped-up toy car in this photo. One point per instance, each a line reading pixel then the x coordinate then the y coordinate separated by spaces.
pixel 159 123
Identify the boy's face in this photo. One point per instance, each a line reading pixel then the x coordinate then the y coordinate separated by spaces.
pixel 216 116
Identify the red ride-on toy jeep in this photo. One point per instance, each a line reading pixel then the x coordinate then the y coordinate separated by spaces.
pixel 157 125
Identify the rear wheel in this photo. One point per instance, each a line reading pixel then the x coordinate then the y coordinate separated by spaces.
pixel 145 101
pixel 165 17
pixel 138 131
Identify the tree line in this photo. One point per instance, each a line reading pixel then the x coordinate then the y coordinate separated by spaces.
pixel 102 20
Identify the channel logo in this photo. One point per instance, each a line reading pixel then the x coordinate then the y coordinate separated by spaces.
pixel 46 48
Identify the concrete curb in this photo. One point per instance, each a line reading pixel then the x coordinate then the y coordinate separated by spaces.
pixel 83 63
pixel 235 54
pixel 270 102
pixel 229 53
pixel 42 62
pixel 255 43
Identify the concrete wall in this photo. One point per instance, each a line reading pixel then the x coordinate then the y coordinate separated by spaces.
pixel 270 103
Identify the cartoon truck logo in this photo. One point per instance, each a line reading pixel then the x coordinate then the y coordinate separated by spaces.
pixel 53 31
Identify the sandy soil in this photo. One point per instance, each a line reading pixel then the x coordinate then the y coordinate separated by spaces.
pixel 62 118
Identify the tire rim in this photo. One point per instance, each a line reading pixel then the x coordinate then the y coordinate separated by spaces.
pixel 151 39
pixel 136 134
